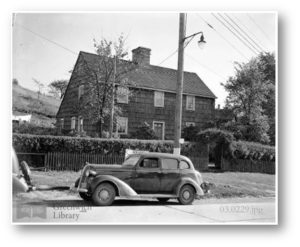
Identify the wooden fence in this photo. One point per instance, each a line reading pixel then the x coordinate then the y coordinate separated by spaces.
pixel 75 161
pixel 241 165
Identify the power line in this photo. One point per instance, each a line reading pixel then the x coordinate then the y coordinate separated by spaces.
pixel 255 23
pixel 222 36
pixel 45 38
pixel 246 34
pixel 233 33
pixel 206 67
pixel 249 31
pixel 242 38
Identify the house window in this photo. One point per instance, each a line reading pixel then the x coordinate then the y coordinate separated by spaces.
pixel 80 91
pixel 62 123
pixel 190 103
pixel 80 124
pixel 122 125
pixel 188 124
pixel 122 95
pixel 159 129
pixel 159 98
pixel 73 122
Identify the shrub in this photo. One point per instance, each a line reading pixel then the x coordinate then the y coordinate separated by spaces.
pixel 43 144
pixel 252 151
pixel 144 132
pixel 190 133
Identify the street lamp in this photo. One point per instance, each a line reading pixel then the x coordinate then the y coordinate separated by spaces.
pixel 181 45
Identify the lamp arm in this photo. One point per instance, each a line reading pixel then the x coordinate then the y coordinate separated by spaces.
pixel 192 36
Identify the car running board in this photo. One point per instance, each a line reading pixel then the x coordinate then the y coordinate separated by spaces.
pixel 149 196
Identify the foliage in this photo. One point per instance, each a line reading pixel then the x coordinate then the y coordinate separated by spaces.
pixel 249 94
pixel 253 151
pixel 190 133
pixel 29 128
pixel 43 144
pixel 144 132
pixel 215 135
pixel 58 88
pixel 99 77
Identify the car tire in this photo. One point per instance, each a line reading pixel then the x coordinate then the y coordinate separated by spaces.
pixel 85 196
pixel 163 200
pixel 104 194
pixel 186 195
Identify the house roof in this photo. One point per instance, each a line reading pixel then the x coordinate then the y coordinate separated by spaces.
pixel 160 78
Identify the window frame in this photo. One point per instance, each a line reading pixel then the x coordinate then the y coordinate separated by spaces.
pixel 156 93
pixel 163 137
pixel 80 91
pixel 126 129
pixel 73 123
pixel 175 169
pixel 118 95
pixel 62 123
pixel 153 158
pixel 80 119
pixel 194 103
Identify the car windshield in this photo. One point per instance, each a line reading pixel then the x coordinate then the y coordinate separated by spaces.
pixel 131 161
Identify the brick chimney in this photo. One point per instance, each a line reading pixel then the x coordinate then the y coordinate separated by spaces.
pixel 141 56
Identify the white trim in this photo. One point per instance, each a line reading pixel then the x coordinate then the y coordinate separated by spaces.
pixel 163 131
pixel 126 128
pixel 73 123
pixel 156 93
pixel 186 102
pixel 80 91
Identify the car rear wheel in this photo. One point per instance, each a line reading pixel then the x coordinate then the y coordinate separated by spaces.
pixel 186 195
pixel 85 196
pixel 163 200
pixel 104 195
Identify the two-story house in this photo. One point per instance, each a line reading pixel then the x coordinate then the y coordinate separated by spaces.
pixel 152 99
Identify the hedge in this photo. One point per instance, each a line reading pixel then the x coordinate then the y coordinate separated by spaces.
pixel 252 151
pixel 42 144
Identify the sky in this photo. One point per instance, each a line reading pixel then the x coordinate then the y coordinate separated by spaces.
pixel 46 45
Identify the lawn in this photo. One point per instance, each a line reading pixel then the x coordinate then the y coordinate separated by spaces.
pixel 228 184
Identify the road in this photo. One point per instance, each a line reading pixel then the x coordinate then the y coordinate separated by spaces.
pixel 210 211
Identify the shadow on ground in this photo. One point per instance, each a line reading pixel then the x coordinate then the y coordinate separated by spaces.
pixel 81 203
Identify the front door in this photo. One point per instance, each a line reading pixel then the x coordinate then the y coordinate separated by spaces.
pixel 147 176
pixel 158 128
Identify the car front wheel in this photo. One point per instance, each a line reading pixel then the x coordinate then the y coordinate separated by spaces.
pixel 104 195
pixel 186 195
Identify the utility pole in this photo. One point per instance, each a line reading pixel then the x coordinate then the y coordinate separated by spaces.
pixel 178 108
pixel 111 124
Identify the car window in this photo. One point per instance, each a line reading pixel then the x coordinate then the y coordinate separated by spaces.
pixel 184 165
pixel 169 164
pixel 131 161
pixel 149 163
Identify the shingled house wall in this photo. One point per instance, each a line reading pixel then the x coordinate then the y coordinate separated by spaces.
pixel 140 107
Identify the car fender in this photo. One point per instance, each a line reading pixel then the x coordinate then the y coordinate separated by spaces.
pixel 123 188
pixel 191 182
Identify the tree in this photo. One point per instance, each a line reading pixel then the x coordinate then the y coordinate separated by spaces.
pixel 249 96
pixel 58 88
pixel 99 78
pixel 40 86
pixel 144 132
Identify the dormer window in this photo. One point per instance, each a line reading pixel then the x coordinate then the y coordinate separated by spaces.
pixel 159 98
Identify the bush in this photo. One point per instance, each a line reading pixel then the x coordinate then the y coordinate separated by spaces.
pixel 215 135
pixel 252 151
pixel 190 133
pixel 144 132
pixel 43 144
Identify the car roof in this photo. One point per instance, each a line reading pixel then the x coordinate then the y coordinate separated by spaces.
pixel 161 155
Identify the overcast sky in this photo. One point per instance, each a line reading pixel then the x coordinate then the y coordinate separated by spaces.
pixel 38 41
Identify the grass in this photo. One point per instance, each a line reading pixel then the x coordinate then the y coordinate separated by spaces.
pixel 26 101
pixel 228 184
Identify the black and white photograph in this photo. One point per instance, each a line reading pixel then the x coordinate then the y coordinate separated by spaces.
pixel 144 118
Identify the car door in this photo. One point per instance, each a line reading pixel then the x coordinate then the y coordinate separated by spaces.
pixel 146 179
pixel 169 176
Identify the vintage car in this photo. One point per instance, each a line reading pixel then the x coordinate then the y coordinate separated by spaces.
pixel 148 175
